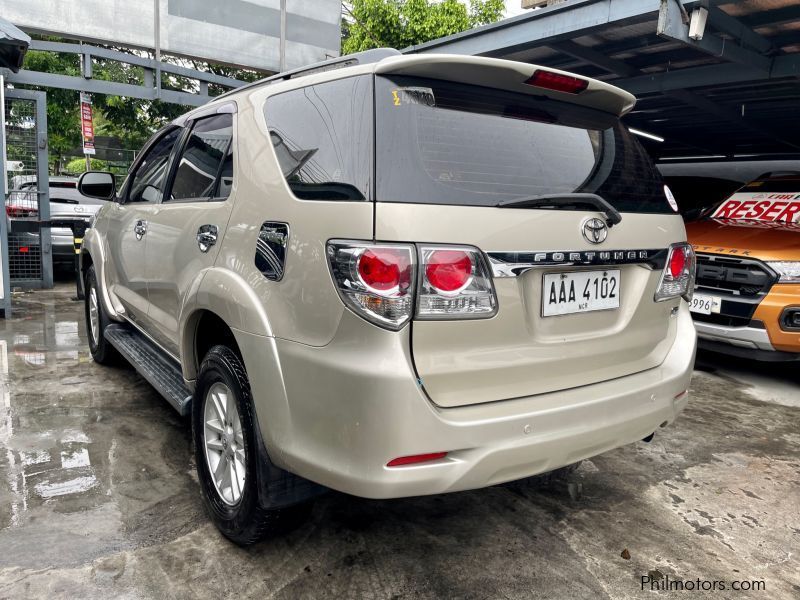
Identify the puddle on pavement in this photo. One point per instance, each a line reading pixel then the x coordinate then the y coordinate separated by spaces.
pixel 87 449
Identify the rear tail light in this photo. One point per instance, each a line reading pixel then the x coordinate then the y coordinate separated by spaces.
pixel 375 280
pixel 455 283
pixel 558 82
pixel 677 280
pixel 15 211
pixel 449 271
pixel 378 282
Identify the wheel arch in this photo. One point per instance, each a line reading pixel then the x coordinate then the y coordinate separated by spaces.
pixel 92 254
pixel 205 329
pixel 221 308
pixel 218 304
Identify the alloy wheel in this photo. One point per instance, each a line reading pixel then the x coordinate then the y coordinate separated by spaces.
pixel 224 443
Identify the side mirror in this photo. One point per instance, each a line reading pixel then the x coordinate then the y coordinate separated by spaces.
pixel 98 184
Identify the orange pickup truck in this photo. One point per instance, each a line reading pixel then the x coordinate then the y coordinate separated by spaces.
pixel 747 292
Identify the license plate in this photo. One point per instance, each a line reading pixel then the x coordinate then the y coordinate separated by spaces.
pixel 705 305
pixel 580 291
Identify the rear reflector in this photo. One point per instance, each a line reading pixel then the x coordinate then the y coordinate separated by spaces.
pixel 417 458
pixel 557 82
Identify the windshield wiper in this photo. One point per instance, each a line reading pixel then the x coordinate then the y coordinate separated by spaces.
pixel 568 200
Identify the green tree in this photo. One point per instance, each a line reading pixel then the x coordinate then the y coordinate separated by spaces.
pixel 401 23
pixel 78 165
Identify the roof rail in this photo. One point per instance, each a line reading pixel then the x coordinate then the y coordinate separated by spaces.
pixel 349 60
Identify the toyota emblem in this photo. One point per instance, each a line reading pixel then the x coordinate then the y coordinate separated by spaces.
pixel 595 231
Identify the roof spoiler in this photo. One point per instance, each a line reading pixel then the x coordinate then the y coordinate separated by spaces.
pixel 512 76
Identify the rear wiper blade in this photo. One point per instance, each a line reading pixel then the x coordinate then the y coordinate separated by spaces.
pixel 560 201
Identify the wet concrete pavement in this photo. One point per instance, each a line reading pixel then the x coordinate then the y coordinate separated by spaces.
pixel 98 499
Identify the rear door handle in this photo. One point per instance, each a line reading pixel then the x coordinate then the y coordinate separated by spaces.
pixel 206 237
pixel 140 228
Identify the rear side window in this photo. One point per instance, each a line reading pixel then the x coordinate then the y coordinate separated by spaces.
pixel 205 167
pixel 445 143
pixel 322 136
pixel 148 181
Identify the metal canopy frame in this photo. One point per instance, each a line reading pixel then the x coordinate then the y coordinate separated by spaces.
pixel 741 79
pixel 151 88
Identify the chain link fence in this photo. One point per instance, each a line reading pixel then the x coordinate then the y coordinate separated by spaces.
pixel 23 200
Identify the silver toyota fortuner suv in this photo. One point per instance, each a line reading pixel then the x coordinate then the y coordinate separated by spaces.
pixel 395 275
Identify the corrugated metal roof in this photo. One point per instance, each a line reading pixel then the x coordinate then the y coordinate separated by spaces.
pixel 735 92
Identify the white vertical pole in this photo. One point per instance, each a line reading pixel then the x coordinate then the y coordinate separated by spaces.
pixel 157 28
pixel 283 36
pixel 157 43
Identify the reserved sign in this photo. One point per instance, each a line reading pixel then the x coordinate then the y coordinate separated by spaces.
pixel 778 207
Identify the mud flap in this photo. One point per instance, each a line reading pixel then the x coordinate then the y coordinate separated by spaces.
pixel 277 487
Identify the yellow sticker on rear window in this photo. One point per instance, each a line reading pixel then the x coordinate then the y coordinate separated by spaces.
pixel 413 95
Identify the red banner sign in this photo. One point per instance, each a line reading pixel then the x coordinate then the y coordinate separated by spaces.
pixel 87 124
pixel 777 207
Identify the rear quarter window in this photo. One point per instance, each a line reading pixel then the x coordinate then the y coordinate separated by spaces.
pixel 322 136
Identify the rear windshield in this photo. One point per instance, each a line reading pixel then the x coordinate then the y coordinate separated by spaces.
pixel 444 143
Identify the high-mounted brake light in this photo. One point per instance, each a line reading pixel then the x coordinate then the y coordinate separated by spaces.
pixel 557 82
pixel 677 280
pixel 415 459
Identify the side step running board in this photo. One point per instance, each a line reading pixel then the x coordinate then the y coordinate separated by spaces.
pixel 159 370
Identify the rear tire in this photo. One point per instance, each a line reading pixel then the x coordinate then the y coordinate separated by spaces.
pixel 227 452
pixel 96 321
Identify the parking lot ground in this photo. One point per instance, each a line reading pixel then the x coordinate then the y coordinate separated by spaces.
pixel 98 499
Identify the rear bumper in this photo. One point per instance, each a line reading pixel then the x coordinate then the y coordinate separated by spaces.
pixel 63 245
pixel 771 342
pixel 743 342
pixel 751 338
pixel 352 406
